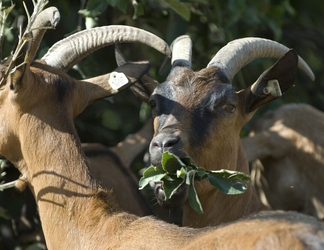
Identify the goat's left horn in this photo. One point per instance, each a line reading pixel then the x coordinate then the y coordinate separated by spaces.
pixel 238 53
pixel 48 18
pixel 181 51
pixel 69 51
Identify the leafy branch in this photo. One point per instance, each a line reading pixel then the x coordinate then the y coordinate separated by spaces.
pixel 4 13
pixel 174 172
pixel 23 38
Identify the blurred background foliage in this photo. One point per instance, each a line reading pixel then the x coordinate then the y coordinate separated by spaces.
pixel 210 24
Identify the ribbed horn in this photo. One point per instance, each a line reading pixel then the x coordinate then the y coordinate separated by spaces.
pixel 69 51
pixel 49 17
pixel 238 53
pixel 181 49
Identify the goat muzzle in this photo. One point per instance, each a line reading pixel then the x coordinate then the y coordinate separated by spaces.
pixel 176 201
pixel 164 142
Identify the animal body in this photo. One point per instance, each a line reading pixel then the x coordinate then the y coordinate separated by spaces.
pixel 111 167
pixel 286 149
pixel 38 104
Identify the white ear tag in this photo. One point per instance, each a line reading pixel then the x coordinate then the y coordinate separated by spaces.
pixel 273 88
pixel 117 80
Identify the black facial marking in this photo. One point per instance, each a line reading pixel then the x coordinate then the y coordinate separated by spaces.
pixel 164 103
pixel 62 88
pixel 207 114
pixel 195 100
pixel 55 78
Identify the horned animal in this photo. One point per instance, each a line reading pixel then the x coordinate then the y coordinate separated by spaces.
pixel 111 167
pixel 200 115
pixel 38 104
pixel 286 149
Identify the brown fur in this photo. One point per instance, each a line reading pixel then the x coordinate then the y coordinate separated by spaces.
pixel 220 149
pixel 288 144
pixel 106 166
pixel 200 115
pixel 38 136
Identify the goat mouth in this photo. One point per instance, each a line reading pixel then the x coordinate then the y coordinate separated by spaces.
pixel 176 201
pixel 156 160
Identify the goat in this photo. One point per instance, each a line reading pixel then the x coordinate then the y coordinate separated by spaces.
pixel 200 115
pixel 286 148
pixel 111 167
pixel 37 105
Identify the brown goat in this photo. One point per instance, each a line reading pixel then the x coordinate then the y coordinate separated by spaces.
pixel 200 115
pixel 286 147
pixel 37 105
pixel 111 167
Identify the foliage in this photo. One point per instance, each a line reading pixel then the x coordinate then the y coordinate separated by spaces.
pixel 210 24
pixel 175 172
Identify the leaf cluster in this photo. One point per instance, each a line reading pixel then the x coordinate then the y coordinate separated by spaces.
pixel 175 172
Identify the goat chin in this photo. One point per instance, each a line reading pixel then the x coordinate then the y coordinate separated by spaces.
pixel 177 200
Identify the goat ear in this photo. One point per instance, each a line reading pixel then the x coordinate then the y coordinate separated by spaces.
pixel 144 87
pixel 134 70
pixel 283 72
pixel 120 57
pixel 17 77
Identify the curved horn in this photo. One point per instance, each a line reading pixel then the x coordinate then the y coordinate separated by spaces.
pixel 181 51
pixel 48 18
pixel 238 53
pixel 69 51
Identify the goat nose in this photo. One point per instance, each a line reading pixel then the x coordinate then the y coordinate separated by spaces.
pixel 164 142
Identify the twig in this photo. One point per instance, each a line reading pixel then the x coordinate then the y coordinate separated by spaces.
pixel 24 38
pixel 8 185
pixel 4 13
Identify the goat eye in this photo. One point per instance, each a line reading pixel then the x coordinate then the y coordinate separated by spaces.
pixel 229 108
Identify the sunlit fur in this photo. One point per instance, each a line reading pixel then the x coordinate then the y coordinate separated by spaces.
pixel 289 145
pixel 210 137
pixel 37 134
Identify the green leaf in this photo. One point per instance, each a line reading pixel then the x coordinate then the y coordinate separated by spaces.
pixel 112 3
pixel 175 171
pixel 4 214
pixel 193 198
pixel 188 180
pixel 151 174
pixel 35 246
pixel 180 8
pixel 181 173
pixel 233 175
pixel 138 10
pixel 111 119
pixel 94 8
pixel 122 5
pixel 226 186
pixel 171 163
pixel 187 161
pixel 7 10
pixel 201 174
pixel 170 187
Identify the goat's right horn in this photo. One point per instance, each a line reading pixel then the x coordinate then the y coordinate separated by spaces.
pixel 181 51
pixel 238 53
pixel 69 51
